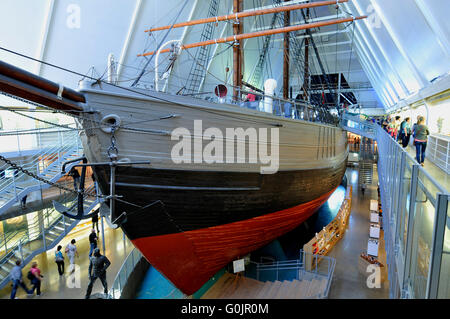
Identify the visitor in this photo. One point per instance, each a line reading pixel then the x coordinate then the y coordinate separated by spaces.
pixel 23 202
pixel 36 277
pixel 92 241
pixel 396 127
pixel 391 127
pixel 95 219
pixel 405 132
pixel 59 260
pixel 97 269
pixel 363 188
pixel 16 279
pixel 420 140
pixel 76 177
pixel 71 251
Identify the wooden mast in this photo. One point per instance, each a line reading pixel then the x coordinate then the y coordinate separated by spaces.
pixel 261 33
pixel 237 15
pixel 287 22
pixel 306 73
pixel 237 56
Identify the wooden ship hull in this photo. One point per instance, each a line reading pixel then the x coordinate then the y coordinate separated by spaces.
pixel 197 217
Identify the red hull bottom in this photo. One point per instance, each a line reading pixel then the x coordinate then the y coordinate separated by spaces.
pixel 191 258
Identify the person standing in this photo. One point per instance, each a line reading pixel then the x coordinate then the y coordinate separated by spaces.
pixel 92 241
pixel 36 278
pixel 71 251
pixel 59 260
pixel 363 188
pixel 405 130
pixel 16 278
pixel 420 140
pixel 97 269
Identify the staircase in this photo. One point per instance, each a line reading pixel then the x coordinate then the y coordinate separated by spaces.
pixel 39 238
pixel 230 286
pixel 46 164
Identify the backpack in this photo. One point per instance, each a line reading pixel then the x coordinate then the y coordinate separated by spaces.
pixel 30 275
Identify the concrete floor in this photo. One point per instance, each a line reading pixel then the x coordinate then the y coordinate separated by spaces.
pixel 348 281
pixel 61 287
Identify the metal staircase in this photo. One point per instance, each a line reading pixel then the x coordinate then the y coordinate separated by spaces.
pixel 367 159
pixel 199 65
pixel 44 232
pixel 46 164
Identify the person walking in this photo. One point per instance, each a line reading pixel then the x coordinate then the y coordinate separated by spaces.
pixel 363 188
pixel 71 252
pixel 92 241
pixel 95 219
pixel 420 140
pixel 17 281
pixel 23 202
pixel 76 177
pixel 36 277
pixel 59 260
pixel 97 269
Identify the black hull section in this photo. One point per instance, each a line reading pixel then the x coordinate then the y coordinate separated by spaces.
pixel 179 201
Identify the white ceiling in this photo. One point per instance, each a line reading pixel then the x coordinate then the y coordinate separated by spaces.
pixel 399 49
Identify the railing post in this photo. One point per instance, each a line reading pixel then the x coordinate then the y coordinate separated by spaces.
pixel 439 227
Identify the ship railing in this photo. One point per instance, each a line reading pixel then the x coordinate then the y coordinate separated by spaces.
pixel 287 108
pixel 124 273
pixel 295 270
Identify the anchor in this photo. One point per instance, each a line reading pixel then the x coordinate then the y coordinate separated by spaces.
pixel 81 214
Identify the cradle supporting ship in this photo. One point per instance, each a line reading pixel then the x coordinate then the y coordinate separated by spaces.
pixel 192 217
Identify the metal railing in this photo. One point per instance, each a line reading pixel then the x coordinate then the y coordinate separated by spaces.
pixel 288 108
pixel 295 270
pixel 416 219
pixel 124 273
pixel 46 163
pixel 438 151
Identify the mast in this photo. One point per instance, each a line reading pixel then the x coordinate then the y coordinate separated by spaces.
pixel 287 22
pixel 306 73
pixel 237 56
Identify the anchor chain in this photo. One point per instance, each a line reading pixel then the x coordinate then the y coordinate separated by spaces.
pixel 31 174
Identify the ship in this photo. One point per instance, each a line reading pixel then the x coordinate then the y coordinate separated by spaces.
pixel 199 202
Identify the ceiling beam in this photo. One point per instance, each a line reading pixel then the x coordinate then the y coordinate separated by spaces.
pixel 126 45
pixel 43 42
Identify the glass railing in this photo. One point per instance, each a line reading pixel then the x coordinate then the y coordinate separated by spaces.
pixel 124 273
pixel 416 223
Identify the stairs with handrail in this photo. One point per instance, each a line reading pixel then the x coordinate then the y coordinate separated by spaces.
pixel 45 164
pixel 28 245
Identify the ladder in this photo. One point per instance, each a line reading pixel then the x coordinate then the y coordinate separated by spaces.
pixel 198 70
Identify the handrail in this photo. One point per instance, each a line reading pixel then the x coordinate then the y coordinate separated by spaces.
pixel 124 272
pixel 280 266
pixel 35 224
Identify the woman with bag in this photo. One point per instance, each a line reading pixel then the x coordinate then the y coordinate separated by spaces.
pixel 59 260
